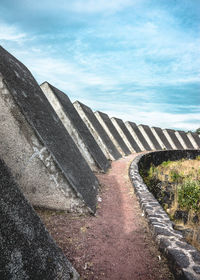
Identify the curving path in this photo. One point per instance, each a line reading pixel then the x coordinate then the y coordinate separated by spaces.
pixel 116 244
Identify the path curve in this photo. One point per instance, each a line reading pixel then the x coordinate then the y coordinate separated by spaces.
pixel 116 243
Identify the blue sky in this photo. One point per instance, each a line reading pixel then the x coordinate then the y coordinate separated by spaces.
pixel 138 60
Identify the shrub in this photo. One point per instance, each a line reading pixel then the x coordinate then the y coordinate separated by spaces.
pixel 175 176
pixel 165 163
pixel 189 195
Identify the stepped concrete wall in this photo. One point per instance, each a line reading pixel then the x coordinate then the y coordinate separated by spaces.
pixel 125 134
pixel 27 250
pixel 161 138
pixel 196 138
pixel 184 140
pixel 98 132
pixel 112 133
pixel 36 146
pixel 158 138
pixel 76 128
pixel 136 133
pixel 189 135
pixel 172 138
pixel 169 139
pixel 150 138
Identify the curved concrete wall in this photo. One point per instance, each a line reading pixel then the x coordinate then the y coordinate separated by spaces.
pixel 158 157
pixel 183 258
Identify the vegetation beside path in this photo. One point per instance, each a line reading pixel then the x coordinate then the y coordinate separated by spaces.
pixel 176 185
pixel 116 243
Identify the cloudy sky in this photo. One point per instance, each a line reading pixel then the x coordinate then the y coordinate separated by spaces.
pixel 138 60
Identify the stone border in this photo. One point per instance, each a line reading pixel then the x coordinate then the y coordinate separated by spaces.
pixel 184 259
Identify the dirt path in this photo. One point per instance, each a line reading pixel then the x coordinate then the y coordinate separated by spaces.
pixel 114 245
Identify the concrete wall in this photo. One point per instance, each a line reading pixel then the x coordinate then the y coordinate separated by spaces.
pixel 156 135
pixel 172 138
pixel 112 133
pixel 131 128
pixel 37 148
pixel 152 141
pixel 76 128
pixel 186 140
pixel 136 133
pixel 27 249
pixel 98 132
pixel 160 136
pixel 192 140
pixel 145 135
pixel 194 137
pixel 125 134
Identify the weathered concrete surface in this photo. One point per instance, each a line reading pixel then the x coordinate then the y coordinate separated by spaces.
pixel 196 138
pixel 27 250
pixel 136 133
pixel 112 133
pixel 98 132
pixel 171 136
pixel 183 258
pixel 36 146
pixel 158 131
pixel 133 134
pixel 116 244
pixel 76 128
pixel 150 138
pixel 184 140
pixel 125 134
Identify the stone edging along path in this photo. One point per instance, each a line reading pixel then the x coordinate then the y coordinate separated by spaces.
pixel 183 258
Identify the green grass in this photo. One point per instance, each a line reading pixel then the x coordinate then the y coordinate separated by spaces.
pixel 185 177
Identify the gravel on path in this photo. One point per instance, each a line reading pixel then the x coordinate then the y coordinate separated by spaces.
pixel 116 243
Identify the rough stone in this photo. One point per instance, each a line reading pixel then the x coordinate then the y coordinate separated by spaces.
pixel 27 250
pixel 97 131
pixel 188 276
pixel 196 256
pixel 179 257
pixel 184 245
pixel 112 132
pixel 164 243
pixel 196 269
pixel 162 231
pixel 76 128
pixel 170 241
pixel 36 146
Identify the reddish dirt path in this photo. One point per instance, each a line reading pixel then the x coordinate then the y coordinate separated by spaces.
pixel 114 245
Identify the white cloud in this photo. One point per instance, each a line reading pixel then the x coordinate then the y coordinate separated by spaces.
pixel 11 33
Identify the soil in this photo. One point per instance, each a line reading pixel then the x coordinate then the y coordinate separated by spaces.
pixel 116 243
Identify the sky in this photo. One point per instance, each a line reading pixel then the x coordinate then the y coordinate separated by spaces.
pixel 138 60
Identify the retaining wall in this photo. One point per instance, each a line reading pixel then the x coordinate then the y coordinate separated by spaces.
pixel 183 258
